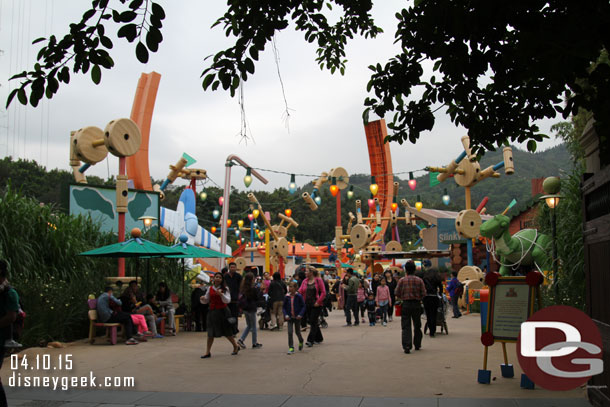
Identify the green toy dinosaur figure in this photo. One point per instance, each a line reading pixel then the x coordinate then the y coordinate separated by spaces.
pixel 527 247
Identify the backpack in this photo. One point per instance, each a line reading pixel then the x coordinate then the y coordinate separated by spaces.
pixel 459 290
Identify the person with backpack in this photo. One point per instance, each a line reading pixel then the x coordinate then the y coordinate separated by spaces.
pixel 249 297
pixel 456 289
pixel 434 288
pixel 277 290
pixel 9 307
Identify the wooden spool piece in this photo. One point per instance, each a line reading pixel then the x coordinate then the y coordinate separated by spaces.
pixel 374 248
pixel 274 261
pixel 393 219
pixel 360 236
pixel 193 173
pixel 309 201
pixel 395 270
pixel 341 176
pixel 468 223
pixel 122 137
pixel 359 266
pixel 280 247
pixel 240 262
pixel 89 145
pixel 366 257
pixel 509 165
pixel 393 246
pixel 288 219
pixel 471 172
pixel 469 286
pixel 456 251
pixel 470 273
pixel 280 231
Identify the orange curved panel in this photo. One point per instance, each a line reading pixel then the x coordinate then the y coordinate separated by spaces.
pixel 141 113
pixel 381 168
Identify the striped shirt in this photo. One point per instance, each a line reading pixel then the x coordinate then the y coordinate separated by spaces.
pixel 410 287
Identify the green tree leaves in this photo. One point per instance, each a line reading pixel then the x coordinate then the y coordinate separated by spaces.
pixel 85 47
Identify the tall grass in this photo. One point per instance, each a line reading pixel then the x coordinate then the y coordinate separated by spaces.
pixel 41 245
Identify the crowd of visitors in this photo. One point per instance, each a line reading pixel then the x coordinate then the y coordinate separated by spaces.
pixel 301 303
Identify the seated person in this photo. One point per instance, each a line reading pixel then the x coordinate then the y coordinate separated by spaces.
pixel 151 301
pixel 139 312
pixel 164 299
pixel 106 314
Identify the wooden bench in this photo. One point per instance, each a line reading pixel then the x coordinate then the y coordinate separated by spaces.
pixel 111 328
pixel 177 318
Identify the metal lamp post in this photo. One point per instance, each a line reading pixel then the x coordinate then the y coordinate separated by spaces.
pixel 229 163
pixel 551 187
pixel 147 221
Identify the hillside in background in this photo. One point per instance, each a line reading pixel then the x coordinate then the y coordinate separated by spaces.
pixel 554 161
pixel 51 187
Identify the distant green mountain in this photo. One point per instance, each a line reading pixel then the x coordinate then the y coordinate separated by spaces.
pixel 500 191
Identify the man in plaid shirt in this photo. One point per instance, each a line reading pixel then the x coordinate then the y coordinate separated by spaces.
pixel 411 290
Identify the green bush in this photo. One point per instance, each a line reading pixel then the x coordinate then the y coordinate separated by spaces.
pixel 41 245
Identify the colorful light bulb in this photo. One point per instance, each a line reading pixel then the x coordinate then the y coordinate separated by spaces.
pixel 221 201
pixel 255 213
pixel 374 187
pixel 248 178
pixel 288 212
pixel 446 198
pixel 250 217
pixel 334 190
pixel 394 206
pixel 350 192
pixel 215 213
pixel 412 182
pixel 419 205
pixel 229 223
pixel 203 195
pixel 317 200
pixel 292 187
pixel 240 223
pixel 213 229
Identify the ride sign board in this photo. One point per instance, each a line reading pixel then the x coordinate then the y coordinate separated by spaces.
pixel 511 302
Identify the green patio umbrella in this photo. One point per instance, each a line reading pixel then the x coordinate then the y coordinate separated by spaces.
pixel 190 251
pixel 134 247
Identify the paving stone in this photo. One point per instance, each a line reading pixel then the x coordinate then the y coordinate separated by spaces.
pixel 322 401
pixel 79 404
pixel 398 402
pixel 111 396
pixel 553 402
pixel 177 399
pixel 248 400
pixel 41 394
pixel 469 402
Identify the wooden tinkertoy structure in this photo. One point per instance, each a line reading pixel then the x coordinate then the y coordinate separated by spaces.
pixel 466 172
pixel 180 171
pixel 361 235
pixel 121 138
pixel 336 176
pixel 277 251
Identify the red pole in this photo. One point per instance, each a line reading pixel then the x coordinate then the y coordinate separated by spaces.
pixel 281 267
pixel 339 208
pixel 121 222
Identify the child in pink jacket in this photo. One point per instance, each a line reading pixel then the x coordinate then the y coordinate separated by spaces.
pixel 383 299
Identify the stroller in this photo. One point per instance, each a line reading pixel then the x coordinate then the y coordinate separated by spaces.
pixel 441 315
pixel 265 314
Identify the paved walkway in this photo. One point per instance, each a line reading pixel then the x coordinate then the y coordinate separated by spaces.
pixel 117 398
pixel 356 366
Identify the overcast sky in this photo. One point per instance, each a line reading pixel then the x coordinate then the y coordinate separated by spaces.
pixel 326 128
